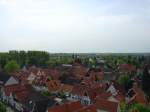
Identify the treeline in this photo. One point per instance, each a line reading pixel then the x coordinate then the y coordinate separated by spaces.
pixel 23 58
pixel 45 59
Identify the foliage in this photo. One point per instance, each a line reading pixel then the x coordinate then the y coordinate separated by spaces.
pixel 2 107
pixel 92 63
pixel 55 61
pixel 11 66
pixel 4 57
pixel 124 81
pixel 45 59
pixel 123 107
pixel 146 81
pixel 61 95
pixel 45 93
pixel 138 108
pixel 37 58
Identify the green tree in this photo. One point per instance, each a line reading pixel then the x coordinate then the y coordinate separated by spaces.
pixel 4 57
pixel 45 93
pixel 124 81
pixel 2 107
pixel 11 66
pixel 138 108
pixel 123 107
pixel 146 81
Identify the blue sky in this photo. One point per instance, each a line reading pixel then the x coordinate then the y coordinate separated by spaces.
pixel 75 25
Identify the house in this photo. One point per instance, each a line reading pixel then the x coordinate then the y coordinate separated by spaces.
pixel 7 84
pixel 106 106
pixel 80 93
pixel 31 78
pixel 68 107
pixel 66 89
pixel 22 76
pixel 135 94
pixel 90 108
pixel 78 71
pixel 112 90
pixel 31 101
pixel 6 94
pixel 75 106
pixel 10 93
pixel 86 94
pixel 95 74
pixel 126 68
pixel 53 86
pixel 117 95
pixel 67 79
pixel 105 102
pixel 6 79
pixel 36 77
pixel 19 96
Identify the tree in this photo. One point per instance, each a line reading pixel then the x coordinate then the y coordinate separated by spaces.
pixel 2 107
pixel 123 107
pixel 22 58
pixel 38 58
pixel 138 108
pixel 11 66
pixel 124 81
pixel 146 81
pixel 4 57
pixel 45 93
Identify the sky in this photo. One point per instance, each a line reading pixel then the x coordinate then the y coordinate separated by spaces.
pixel 75 26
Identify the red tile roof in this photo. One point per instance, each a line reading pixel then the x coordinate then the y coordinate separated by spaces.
pixel 90 108
pixel 138 97
pixel 40 79
pixel 106 105
pixel 91 90
pixel 126 68
pixel 21 94
pixel 53 85
pixel 78 70
pixel 68 107
pixel 104 95
pixel 77 107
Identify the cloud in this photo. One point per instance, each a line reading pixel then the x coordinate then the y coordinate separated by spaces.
pixel 8 3
pixel 74 26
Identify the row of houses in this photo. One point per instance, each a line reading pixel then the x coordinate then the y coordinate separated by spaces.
pixel 22 98
pixel 83 90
